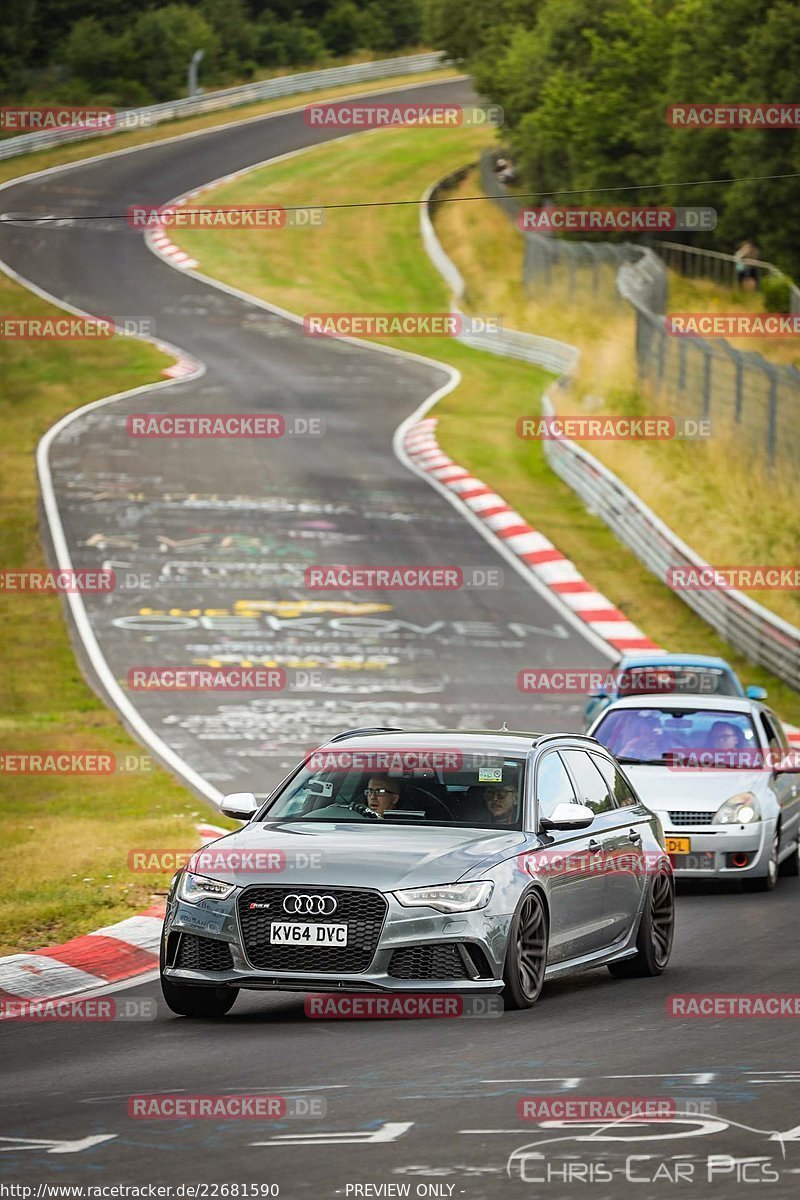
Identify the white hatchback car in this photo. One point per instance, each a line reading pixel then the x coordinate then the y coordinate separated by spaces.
pixel 720 775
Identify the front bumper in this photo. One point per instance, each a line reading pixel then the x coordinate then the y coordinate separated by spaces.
pixel 481 933
pixel 711 849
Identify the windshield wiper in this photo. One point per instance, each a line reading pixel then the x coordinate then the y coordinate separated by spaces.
pixel 640 762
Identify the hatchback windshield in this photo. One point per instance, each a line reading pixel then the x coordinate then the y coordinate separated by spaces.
pixel 701 681
pixel 657 735
pixel 439 787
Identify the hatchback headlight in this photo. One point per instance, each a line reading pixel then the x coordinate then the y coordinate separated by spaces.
pixel 741 809
pixel 193 888
pixel 449 897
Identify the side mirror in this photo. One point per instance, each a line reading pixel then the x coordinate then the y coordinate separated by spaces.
pixel 239 805
pixel 755 693
pixel 568 816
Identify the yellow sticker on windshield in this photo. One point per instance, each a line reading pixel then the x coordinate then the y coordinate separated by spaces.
pixel 490 774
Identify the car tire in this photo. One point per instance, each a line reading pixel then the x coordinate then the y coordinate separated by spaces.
pixel 791 865
pixel 766 883
pixel 526 952
pixel 191 1001
pixel 655 934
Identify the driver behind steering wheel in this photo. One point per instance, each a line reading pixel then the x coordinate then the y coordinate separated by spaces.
pixel 383 794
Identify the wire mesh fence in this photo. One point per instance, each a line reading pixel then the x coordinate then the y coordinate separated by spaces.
pixel 748 399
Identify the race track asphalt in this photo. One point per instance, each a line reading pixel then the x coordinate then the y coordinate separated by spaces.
pixel 223 531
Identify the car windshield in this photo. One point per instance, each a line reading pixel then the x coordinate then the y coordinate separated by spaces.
pixel 437 787
pixel 696 737
pixel 682 679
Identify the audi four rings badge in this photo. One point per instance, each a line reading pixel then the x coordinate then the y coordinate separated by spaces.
pixel 317 906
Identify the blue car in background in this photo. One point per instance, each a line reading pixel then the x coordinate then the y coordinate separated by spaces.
pixel 651 671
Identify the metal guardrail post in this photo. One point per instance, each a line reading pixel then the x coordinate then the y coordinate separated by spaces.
pixel 248 93
pixel 772 415
pixel 681 365
pixel 706 351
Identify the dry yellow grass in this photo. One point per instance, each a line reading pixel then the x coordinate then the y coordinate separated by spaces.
pixel 709 491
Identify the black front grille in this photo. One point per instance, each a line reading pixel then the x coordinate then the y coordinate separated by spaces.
pixel 363 912
pixel 441 961
pixel 203 954
pixel 691 818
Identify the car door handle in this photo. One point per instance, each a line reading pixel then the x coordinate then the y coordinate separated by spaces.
pixel 635 837
pixel 595 846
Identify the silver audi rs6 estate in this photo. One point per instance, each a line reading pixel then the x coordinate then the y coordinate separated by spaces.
pixel 392 861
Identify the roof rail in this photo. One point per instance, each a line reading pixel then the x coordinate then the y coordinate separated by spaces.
pixel 582 737
pixel 338 737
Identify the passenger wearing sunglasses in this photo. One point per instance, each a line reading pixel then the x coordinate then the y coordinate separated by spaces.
pixel 501 801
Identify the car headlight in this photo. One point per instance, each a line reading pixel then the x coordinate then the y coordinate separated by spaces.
pixel 741 809
pixel 450 897
pixel 193 888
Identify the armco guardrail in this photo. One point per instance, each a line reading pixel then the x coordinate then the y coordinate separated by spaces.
pixel 748 398
pixel 759 634
pixel 248 93
pixel 556 356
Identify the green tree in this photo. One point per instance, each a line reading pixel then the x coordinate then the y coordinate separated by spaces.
pixel 235 31
pixel 163 41
pixel 767 210
pixel 388 25
pixel 94 55
pixel 341 27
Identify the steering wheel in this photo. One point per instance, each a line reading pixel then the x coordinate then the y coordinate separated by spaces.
pixel 436 800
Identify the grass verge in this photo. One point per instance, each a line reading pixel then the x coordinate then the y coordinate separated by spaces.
pixel 707 490
pixel 77 151
pixel 372 260
pixel 66 838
